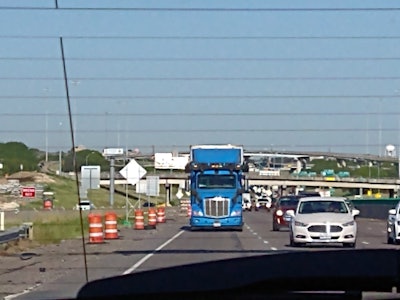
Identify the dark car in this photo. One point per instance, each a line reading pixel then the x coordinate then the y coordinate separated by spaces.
pixel 280 207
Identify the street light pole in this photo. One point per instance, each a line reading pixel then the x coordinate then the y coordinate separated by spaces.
pixel 87 156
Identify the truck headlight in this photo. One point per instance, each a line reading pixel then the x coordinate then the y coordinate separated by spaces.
pixel 236 213
pixel 197 213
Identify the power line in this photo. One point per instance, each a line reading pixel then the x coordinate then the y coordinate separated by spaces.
pixel 200 59
pixel 305 78
pixel 205 97
pixel 208 9
pixel 206 37
pixel 208 78
pixel 209 130
pixel 326 114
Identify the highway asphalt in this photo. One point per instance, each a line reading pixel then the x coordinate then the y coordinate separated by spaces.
pixel 170 244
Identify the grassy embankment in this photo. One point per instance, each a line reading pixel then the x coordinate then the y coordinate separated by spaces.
pixel 63 222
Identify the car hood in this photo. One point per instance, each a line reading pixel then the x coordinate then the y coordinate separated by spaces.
pixel 324 218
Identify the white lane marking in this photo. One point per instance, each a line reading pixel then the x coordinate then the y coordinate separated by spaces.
pixel 273 248
pixel 365 243
pixel 254 233
pixel 140 262
pixel 266 242
pixel 259 237
pixel 9 297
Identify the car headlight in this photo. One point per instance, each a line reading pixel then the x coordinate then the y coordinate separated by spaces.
pixel 300 224
pixel 197 213
pixel 351 223
pixel 279 213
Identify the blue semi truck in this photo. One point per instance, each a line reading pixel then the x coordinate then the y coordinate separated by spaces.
pixel 217 182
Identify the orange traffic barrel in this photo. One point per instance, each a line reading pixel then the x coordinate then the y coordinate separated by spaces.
pixel 110 226
pixel 152 217
pixel 47 204
pixel 139 219
pixel 95 229
pixel 189 210
pixel 160 215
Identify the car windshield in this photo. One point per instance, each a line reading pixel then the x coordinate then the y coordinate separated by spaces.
pixel 310 207
pixel 132 131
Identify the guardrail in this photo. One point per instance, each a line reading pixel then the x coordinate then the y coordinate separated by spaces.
pixel 25 231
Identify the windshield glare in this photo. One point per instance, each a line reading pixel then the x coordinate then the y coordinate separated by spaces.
pixel 311 207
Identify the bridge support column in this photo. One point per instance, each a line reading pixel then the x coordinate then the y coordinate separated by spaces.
pixel 361 191
pixel 391 193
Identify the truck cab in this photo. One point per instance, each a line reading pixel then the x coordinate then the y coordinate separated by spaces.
pixel 216 187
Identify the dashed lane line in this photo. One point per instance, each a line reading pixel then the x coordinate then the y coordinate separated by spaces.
pixel 144 259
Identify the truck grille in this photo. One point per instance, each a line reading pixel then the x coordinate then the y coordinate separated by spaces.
pixel 216 207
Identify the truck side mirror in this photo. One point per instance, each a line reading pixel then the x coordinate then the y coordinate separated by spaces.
pixel 193 193
pixel 187 185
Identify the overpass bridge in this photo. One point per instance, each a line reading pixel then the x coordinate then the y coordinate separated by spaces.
pixel 392 185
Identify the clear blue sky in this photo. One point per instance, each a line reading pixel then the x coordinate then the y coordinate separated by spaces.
pixel 263 79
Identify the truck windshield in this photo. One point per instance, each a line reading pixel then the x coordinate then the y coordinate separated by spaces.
pixel 216 181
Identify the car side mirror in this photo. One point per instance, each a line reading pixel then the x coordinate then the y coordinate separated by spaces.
pixel 392 211
pixel 289 214
pixel 355 212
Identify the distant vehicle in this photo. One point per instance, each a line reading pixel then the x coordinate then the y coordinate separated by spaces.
pixel 85 205
pixel 149 204
pixel 323 220
pixel 246 205
pixel 282 205
pixel 265 202
pixel 393 225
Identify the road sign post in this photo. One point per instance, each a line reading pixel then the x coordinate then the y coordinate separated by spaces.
pixel 132 172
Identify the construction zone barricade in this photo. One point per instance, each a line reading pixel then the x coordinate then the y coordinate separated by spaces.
pixel 139 219
pixel 96 234
pixel 161 215
pixel 152 218
pixel 110 226
pixel 183 205
pixel 47 205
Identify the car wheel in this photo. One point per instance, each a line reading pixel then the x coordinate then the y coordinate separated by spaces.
pixel 293 243
pixel 275 227
pixel 389 240
pixel 349 245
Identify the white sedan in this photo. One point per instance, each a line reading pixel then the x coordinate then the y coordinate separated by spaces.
pixel 393 225
pixel 323 220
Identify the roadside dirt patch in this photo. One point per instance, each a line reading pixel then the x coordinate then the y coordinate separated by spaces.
pixel 25 176
pixel 17 247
